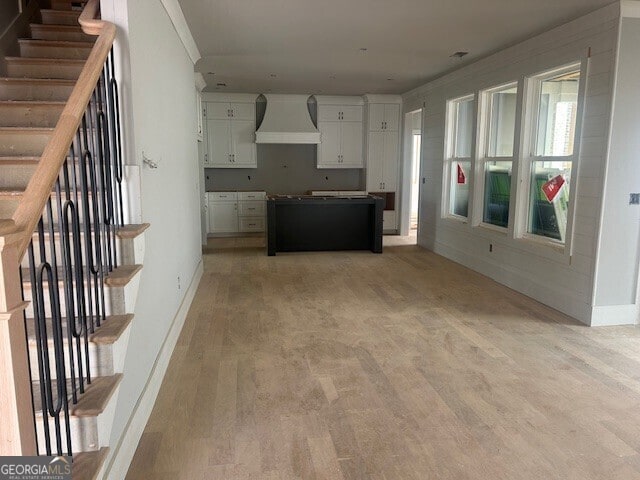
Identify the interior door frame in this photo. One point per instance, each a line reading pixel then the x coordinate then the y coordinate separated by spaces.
pixel 407 157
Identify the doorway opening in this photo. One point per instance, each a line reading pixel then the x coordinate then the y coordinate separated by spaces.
pixel 411 179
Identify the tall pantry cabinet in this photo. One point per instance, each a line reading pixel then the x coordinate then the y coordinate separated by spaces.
pixel 382 147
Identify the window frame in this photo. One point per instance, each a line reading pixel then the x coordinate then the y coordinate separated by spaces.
pixel 484 140
pixel 529 133
pixel 451 158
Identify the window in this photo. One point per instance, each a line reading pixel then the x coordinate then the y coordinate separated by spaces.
pixel 461 125
pixel 556 107
pixel 499 112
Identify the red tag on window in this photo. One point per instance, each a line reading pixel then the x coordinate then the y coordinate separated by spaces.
pixel 462 178
pixel 552 188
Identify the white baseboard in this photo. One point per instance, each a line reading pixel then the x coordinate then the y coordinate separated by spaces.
pixel 614 315
pixel 120 457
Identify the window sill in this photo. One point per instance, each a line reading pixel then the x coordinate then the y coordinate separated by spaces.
pixel 494 228
pixel 543 247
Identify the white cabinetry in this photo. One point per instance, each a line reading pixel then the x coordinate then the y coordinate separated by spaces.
pixel 383 151
pixel 223 212
pixel 340 122
pixel 233 212
pixel 230 131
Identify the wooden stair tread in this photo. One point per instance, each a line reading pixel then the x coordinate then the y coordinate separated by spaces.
pixel 59 28
pixel 27 130
pixel 108 333
pixel 87 465
pixel 122 275
pixel 118 277
pixel 45 60
pixel 35 103
pixel 132 231
pixel 91 403
pixel 56 43
pixel 38 81
pixel 26 160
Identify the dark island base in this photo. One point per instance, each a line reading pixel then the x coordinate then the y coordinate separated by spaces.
pixel 297 224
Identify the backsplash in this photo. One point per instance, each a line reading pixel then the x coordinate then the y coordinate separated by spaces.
pixel 284 169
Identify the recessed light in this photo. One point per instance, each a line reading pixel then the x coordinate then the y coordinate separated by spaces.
pixel 273 75
pixel 389 79
pixel 221 84
pixel 459 55
pixel 211 73
pixel 332 77
pixel 363 49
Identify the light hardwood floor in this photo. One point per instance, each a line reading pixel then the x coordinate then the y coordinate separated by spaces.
pixel 395 366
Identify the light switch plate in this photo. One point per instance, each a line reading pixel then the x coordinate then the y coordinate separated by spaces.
pixel 634 199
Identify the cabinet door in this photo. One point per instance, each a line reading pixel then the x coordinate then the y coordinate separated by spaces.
pixel 243 111
pixel 223 217
pixel 375 161
pixel 218 110
pixel 218 142
pixel 351 113
pixel 352 145
pixel 376 117
pixel 244 145
pixel 391 161
pixel 329 113
pixel 391 116
pixel 329 147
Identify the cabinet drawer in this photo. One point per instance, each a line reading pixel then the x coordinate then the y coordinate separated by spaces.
pixel 252 195
pixel 251 224
pixel 223 196
pixel 251 209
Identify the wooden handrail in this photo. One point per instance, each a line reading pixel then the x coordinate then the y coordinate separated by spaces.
pixel 39 189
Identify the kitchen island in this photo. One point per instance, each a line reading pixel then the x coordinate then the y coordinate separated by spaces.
pixel 318 223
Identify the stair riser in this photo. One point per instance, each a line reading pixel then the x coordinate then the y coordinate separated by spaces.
pixel 59 18
pixel 15 91
pixel 29 50
pixel 104 359
pixel 58 247
pixel 118 300
pixel 44 70
pixel 23 143
pixel 42 32
pixel 15 177
pixel 88 434
pixel 30 115
pixel 66 5
pixel 113 302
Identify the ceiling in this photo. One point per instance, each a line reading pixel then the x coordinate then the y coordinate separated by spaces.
pixel 304 46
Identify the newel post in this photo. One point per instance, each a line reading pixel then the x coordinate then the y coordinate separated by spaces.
pixel 17 433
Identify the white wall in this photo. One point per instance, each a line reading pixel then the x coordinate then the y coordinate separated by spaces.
pixel 538 271
pixel 162 108
pixel 616 282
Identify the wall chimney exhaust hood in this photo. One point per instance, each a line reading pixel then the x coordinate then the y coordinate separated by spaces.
pixel 287 120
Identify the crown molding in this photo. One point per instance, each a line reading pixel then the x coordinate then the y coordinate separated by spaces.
pixel 182 29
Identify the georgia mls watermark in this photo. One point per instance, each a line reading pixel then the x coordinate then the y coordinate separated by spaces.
pixel 35 468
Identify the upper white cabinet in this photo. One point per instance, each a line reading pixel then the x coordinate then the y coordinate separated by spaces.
pixel 230 131
pixel 383 151
pixel 384 116
pixel 340 122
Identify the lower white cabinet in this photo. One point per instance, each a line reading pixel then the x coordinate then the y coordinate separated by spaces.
pixel 236 212
pixel 223 213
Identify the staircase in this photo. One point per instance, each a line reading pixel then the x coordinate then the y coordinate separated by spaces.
pixel 79 312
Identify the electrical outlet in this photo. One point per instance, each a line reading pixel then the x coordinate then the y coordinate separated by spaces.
pixel 634 199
